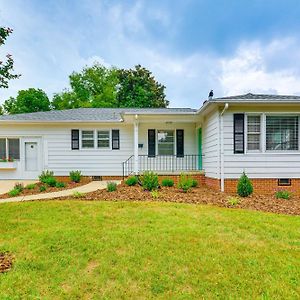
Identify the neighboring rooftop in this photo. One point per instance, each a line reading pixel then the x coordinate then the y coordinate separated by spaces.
pixel 261 97
pixel 92 114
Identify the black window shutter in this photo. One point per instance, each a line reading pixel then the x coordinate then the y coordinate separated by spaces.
pixel 115 139
pixel 151 142
pixel 238 133
pixel 180 142
pixel 75 139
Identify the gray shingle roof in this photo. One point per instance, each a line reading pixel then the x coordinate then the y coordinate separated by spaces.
pixel 92 114
pixel 259 97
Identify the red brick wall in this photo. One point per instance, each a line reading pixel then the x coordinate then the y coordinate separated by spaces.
pixel 213 183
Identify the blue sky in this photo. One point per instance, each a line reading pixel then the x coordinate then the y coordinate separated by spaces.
pixel 191 46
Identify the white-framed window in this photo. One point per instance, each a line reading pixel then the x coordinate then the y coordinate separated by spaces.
pixel 165 142
pixel 9 148
pixel 103 139
pixel 282 133
pixel 253 132
pixel 87 139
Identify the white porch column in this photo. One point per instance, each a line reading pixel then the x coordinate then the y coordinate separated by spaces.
pixel 136 146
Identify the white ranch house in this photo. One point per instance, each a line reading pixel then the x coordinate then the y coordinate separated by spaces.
pixel 255 133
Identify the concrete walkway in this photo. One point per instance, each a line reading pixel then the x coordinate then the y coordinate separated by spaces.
pixel 7 185
pixel 90 187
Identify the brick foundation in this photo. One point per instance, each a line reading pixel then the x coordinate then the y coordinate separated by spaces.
pixel 213 183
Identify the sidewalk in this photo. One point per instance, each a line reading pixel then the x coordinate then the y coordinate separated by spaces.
pixel 90 187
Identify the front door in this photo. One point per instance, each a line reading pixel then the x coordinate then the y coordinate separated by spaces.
pixel 31 156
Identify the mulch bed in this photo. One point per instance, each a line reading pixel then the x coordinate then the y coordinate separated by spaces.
pixel 198 195
pixel 6 262
pixel 36 190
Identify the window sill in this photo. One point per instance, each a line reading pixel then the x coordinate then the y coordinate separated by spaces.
pixel 8 165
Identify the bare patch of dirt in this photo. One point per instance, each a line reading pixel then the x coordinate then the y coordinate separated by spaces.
pixel 198 195
pixel 6 262
pixel 92 265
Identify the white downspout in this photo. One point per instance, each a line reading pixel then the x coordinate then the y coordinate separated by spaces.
pixel 222 148
pixel 136 145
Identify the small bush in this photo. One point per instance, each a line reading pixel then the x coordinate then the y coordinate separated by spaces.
pixel 75 176
pixel 244 187
pixel 60 185
pixel 51 181
pixel 185 182
pixel 155 194
pixel 233 201
pixel 14 192
pixel 194 183
pixel 150 181
pixel 30 186
pixel 78 195
pixel 45 175
pixel 19 186
pixel 43 188
pixel 283 195
pixel 167 182
pixel 133 180
pixel 111 186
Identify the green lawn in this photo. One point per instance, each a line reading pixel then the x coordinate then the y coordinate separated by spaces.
pixel 118 250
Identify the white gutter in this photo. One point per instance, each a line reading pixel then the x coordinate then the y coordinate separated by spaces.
pixel 222 147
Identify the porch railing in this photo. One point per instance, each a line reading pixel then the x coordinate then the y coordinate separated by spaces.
pixel 163 163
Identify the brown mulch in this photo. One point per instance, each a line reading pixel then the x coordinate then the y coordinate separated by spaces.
pixel 198 195
pixel 36 190
pixel 6 261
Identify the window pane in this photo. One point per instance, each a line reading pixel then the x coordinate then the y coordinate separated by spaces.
pixel 253 142
pixel 14 148
pixel 253 132
pixel 282 133
pixel 165 141
pixel 103 139
pixel 87 139
pixel 2 148
pixel 253 124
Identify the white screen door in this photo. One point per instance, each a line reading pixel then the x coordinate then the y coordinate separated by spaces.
pixel 31 156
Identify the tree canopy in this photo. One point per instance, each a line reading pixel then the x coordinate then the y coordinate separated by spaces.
pixel 27 101
pixel 7 65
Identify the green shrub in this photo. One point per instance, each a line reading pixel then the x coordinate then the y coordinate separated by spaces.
pixel 78 195
pixel 149 181
pixel 14 192
pixel 167 182
pixel 233 201
pixel 51 181
pixel 283 195
pixel 19 186
pixel 133 180
pixel 45 175
pixel 75 176
pixel 111 186
pixel 194 183
pixel 244 187
pixel 185 182
pixel 60 184
pixel 155 194
pixel 43 188
pixel 30 186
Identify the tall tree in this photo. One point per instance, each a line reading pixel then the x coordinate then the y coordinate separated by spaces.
pixel 94 86
pixel 7 65
pixel 27 101
pixel 138 88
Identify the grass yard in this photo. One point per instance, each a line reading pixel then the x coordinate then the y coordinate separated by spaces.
pixel 142 250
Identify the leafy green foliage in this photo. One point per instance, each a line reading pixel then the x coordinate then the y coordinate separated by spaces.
pixel 138 88
pixel 7 65
pixel 244 187
pixel 283 195
pixel 167 182
pixel 27 101
pixel 14 192
pixel 51 181
pixel 233 201
pixel 43 188
pixel 75 176
pixel 19 186
pixel 45 175
pixel 194 183
pixel 60 185
pixel 133 180
pixel 185 182
pixel 78 195
pixel 30 186
pixel 149 180
pixel 155 194
pixel 111 186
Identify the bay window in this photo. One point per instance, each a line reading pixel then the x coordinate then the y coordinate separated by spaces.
pixel 165 142
pixel 282 133
pixel 253 133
